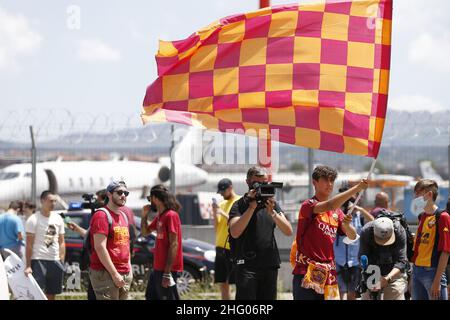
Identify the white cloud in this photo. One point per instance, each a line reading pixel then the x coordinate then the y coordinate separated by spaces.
pixel 418 15
pixel 415 102
pixel 97 51
pixel 16 39
pixel 431 51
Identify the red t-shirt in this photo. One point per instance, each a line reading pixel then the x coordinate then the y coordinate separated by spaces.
pixel 118 240
pixel 168 222
pixel 319 234
pixel 130 215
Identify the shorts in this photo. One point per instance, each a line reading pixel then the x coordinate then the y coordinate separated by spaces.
pixel 104 287
pixel 155 291
pixel 223 267
pixel 348 278
pixel 49 275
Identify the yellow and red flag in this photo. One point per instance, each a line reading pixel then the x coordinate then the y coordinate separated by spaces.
pixel 318 73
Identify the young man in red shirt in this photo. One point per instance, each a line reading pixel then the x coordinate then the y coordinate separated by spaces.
pixel 320 219
pixel 168 254
pixel 110 267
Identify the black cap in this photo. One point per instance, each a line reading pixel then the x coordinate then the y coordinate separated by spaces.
pixel 223 185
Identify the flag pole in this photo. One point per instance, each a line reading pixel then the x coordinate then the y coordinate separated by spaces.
pixel 347 240
pixel 265 143
pixel 372 167
pixel 264 3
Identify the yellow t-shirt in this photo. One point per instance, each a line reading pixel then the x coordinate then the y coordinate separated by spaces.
pixel 222 223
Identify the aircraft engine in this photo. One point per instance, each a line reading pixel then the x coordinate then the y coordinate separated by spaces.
pixel 164 174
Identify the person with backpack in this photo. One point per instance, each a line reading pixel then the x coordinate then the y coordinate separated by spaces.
pixel 381 203
pixel 168 254
pixel 399 218
pixel 320 219
pixel 100 202
pixel 110 267
pixel 432 245
pixel 383 242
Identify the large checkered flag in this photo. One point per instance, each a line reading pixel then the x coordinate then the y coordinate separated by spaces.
pixel 317 73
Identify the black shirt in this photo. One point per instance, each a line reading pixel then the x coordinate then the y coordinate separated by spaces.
pixel 386 257
pixel 256 247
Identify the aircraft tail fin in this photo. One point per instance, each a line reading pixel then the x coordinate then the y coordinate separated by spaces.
pixel 189 148
pixel 428 172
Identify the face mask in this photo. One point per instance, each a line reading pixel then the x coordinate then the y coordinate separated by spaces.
pixel 418 205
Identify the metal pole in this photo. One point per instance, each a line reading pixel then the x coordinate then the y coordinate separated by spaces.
pixel 264 3
pixel 360 194
pixel 33 167
pixel 448 156
pixel 265 152
pixel 172 162
pixel 347 239
pixel 310 171
pixel 265 143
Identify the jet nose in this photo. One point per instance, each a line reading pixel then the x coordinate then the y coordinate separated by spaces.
pixel 9 192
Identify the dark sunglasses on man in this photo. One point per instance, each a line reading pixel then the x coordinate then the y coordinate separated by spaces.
pixel 121 192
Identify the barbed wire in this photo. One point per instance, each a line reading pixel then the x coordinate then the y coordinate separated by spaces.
pixel 60 124
pixel 56 124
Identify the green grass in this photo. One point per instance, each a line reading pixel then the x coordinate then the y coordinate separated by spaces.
pixel 201 290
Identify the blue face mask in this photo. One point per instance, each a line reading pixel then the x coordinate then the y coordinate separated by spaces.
pixel 418 205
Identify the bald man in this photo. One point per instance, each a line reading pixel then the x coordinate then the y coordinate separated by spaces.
pixel 381 202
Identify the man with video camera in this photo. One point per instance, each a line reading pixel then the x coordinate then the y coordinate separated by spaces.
pixel 252 222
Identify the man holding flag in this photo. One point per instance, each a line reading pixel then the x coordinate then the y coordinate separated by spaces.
pixel 320 219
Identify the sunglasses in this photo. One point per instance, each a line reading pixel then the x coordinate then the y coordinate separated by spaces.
pixel 149 198
pixel 121 192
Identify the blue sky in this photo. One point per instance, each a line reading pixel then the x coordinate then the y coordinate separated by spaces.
pixel 106 64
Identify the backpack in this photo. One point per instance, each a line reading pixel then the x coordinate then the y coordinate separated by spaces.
pixel 87 245
pixel 399 219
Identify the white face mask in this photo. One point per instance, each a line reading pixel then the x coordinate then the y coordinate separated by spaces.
pixel 418 205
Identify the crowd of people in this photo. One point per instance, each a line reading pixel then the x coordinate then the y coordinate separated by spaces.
pixel 340 250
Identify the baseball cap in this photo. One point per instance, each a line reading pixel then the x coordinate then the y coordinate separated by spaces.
pixel 383 230
pixel 114 185
pixel 223 185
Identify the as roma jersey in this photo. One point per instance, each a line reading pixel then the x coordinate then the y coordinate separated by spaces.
pixel 316 233
pixel 429 241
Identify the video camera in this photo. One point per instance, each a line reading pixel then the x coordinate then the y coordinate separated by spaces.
pixel 90 202
pixel 266 190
